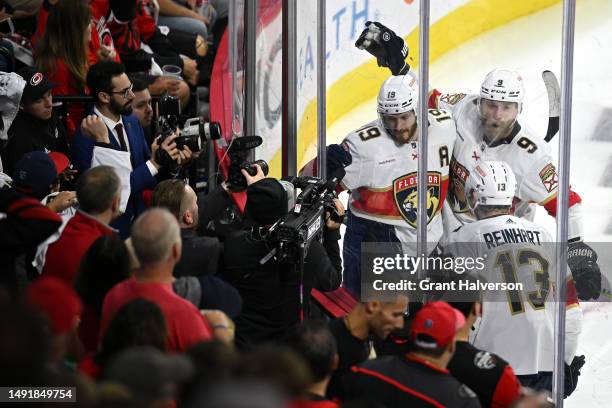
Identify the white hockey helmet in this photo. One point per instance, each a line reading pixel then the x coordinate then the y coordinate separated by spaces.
pixel 398 94
pixel 397 104
pixel 503 85
pixel 491 183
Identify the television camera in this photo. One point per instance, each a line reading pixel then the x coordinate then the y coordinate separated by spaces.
pixel 292 235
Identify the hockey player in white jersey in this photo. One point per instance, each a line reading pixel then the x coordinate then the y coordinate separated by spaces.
pixel 488 129
pixel 382 176
pixel 516 324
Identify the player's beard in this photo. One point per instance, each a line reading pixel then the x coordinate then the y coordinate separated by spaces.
pixel 403 136
pixel 496 130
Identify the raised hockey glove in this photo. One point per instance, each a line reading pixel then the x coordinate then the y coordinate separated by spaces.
pixel 582 261
pixel 337 157
pixel 388 48
pixel 572 372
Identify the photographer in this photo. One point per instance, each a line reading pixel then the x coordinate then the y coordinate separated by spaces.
pixel 270 290
pixel 112 127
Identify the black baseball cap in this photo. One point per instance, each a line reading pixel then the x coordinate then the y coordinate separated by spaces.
pixel 37 83
pixel 37 170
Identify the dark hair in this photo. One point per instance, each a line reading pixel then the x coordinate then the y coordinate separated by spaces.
pixel 463 300
pixel 100 76
pixel 64 40
pixel 139 83
pixel 432 352
pixel 463 307
pixel 169 194
pixel 312 340
pixel 138 323
pixel 97 188
pixel 215 362
pixel 105 264
pixel 277 365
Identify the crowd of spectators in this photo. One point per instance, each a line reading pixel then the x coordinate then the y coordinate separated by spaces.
pixel 116 277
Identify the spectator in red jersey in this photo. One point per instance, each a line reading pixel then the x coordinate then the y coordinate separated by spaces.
pixel 101 45
pixel 98 194
pixel 105 47
pixel 63 53
pixel 157 243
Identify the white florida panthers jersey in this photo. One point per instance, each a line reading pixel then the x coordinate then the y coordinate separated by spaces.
pixel 528 156
pixel 383 177
pixel 516 323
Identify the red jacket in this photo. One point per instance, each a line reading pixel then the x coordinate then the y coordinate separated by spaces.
pixel 186 325
pixel 64 255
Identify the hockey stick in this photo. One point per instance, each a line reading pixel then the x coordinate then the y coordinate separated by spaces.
pixel 554 103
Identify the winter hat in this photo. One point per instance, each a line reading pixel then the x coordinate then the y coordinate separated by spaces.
pixel 266 201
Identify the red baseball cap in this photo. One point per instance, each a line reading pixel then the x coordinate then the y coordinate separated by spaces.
pixel 438 322
pixel 60 160
pixel 57 301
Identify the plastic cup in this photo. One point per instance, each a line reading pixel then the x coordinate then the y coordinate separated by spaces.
pixel 172 71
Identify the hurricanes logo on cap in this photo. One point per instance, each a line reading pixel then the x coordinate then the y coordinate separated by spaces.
pixel 36 79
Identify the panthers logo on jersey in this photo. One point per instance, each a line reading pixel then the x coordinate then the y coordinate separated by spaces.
pixel 406 197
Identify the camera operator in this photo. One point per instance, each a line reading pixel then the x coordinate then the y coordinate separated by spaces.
pixel 113 127
pixel 270 290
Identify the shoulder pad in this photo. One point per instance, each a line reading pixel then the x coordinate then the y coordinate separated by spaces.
pixel 452 98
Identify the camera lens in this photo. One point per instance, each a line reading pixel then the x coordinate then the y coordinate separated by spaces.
pixel 212 131
pixel 263 165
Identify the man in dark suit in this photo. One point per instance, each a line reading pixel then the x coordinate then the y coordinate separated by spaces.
pixel 112 127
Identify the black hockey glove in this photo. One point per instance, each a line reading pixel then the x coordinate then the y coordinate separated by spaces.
pixel 388 48
pixel 337 157
pixel 582 261
pixel 572 372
